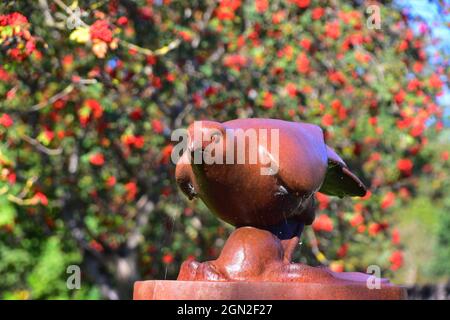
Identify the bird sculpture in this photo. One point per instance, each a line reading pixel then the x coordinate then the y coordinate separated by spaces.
pixel 273 195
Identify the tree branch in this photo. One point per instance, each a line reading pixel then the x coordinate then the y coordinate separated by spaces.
pixel 145 207
pixel 40 147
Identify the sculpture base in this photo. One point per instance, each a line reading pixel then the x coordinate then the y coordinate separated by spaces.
pixel 238 290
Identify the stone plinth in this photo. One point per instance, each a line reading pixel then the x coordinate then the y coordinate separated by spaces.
pixel 238 290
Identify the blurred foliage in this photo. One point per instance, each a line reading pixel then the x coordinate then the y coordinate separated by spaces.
pixel 89 97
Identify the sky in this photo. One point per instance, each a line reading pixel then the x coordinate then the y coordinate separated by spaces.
pixel 436 13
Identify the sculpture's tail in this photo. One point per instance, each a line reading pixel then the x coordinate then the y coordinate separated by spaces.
pixel 339 180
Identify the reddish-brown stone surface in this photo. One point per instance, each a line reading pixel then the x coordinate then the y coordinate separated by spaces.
pixel 252 254
pixel 239 290
pixel 253 265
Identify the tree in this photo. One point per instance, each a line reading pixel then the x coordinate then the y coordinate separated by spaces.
pixel 90 95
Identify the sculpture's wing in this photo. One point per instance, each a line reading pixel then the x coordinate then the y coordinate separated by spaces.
pixel 339 180
pixel 303 158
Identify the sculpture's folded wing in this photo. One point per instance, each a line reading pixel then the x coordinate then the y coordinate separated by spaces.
pixel 303 158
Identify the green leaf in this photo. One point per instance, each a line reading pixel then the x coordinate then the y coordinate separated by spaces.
pixel 45 277
pixel 7 212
